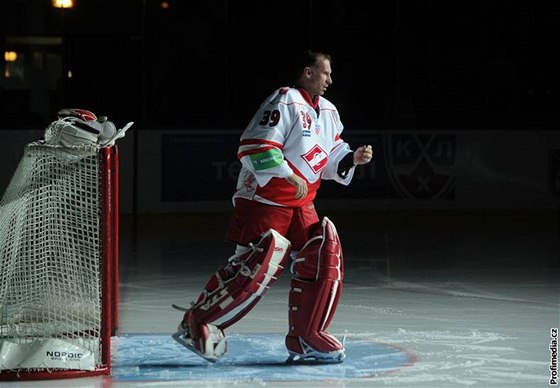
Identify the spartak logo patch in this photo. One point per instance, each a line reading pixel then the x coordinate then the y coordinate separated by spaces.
pixel 316 158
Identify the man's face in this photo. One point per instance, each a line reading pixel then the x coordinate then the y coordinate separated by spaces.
pixel 319 78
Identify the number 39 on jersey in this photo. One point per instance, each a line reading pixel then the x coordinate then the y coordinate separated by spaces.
pixel 270 118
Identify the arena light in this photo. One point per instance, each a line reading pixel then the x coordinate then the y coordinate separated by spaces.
pixel 10 56
pixel 63 3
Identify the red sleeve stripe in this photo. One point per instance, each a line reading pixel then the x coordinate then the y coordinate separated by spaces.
pixel 261 142
pixel 253 151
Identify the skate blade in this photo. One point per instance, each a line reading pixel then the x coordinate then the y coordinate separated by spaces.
pixel 315 358
pixel 189 344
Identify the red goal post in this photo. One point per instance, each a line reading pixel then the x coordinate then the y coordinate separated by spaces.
pixel 59 252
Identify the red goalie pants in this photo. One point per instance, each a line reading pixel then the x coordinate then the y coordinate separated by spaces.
pixel 250 219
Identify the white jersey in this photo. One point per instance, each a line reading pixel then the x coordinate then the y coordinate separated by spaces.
pixel 289 135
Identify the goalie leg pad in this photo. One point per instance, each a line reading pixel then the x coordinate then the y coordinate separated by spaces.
pixel 234 290
pixel 238 286
pixel 321 257
pixel 312 306
pixel 314 295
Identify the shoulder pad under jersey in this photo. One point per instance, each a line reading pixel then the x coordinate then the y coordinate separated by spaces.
pixel 278 95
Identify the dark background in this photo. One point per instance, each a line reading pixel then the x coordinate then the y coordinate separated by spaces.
pixel 476 78
pixel 209 63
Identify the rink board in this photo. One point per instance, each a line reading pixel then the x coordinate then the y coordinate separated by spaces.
pixel 250 357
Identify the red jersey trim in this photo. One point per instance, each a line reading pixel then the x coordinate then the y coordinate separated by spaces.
pixel 307 97
pixel 280 191
pixel 261 141
pixel 254 151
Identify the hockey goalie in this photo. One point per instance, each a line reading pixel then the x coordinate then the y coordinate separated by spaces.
pixel 291 145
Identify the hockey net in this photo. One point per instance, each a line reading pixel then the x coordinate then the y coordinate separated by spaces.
pixel 58 260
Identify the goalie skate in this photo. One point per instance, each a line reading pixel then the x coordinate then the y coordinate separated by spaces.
pixel 312 356
pixel 210 345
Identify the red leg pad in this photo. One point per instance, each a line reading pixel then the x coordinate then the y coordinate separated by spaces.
pixel 235 288
pixel 321 257
pixel 314 294
pixel 312 306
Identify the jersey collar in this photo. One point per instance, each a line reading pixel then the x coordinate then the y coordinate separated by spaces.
pixel 307 97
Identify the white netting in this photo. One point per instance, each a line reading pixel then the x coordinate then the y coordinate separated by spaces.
pixel 50 277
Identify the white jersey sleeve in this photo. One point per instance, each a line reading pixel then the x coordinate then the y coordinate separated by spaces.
pixel 262 142
pixel 339 150
pixel 331 170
